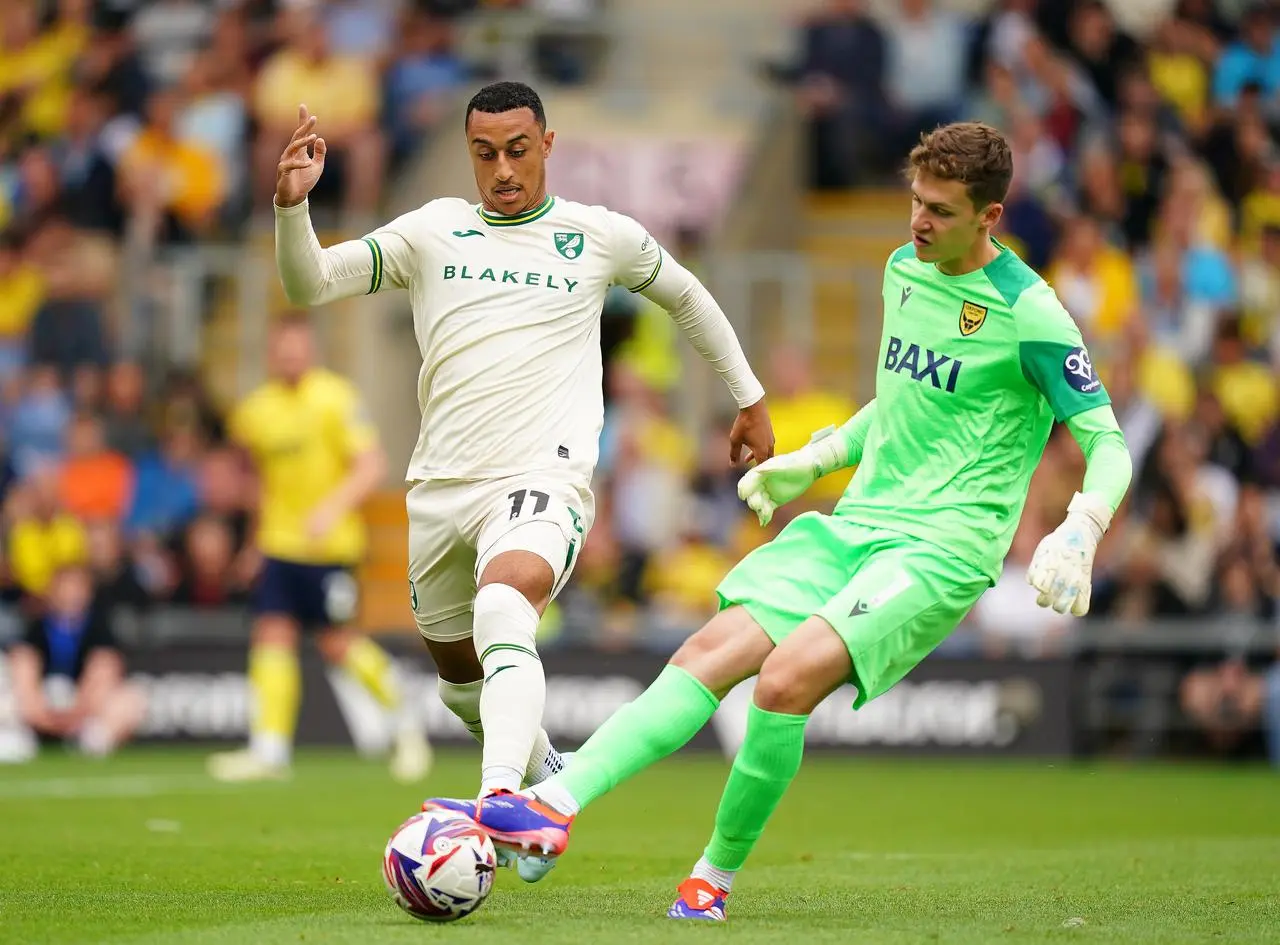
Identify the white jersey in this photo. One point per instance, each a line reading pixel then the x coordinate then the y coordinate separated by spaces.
pixel 507 315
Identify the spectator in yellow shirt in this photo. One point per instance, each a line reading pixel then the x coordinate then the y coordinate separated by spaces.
pixel 36 66
pixel 22 290
pixel 799 409
pixel 343 91
pixel 174 182
pixel 1261 208
pixel 1246 389
pixel 43 537
pixel 1096 281
pixel 1179 72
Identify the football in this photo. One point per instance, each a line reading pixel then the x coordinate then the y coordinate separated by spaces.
pixel 438 866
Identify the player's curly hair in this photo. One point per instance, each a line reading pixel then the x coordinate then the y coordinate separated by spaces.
pixel 505 97
pixel 968 151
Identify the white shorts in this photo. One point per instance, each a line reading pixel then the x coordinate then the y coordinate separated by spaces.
pixel 457 527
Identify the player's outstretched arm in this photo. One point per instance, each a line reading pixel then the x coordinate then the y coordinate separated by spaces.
pixel 786 477
pixel 704 323
pixel 1062 567
pixel 312 275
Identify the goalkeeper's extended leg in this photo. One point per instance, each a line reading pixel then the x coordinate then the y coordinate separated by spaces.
pixel 730 648
pixel 807 667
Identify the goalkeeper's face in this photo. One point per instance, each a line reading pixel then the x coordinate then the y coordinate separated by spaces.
pixel 509 153
pixel 945 225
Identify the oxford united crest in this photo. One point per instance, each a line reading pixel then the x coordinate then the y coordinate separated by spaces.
pixel 971 317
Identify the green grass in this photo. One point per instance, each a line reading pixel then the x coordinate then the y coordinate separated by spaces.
pixel 143 849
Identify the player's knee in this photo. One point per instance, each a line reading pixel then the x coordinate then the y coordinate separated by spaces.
pixel 785 686
pixel 527 572
pixel 506 627
pixel 333 645
pixel 720 656
pixel 275 630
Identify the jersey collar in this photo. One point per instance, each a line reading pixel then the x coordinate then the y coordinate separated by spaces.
pixel 536 213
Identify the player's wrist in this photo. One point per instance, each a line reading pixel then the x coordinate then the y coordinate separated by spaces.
pixel 286 207
pixel 828 451
pixel 1093 509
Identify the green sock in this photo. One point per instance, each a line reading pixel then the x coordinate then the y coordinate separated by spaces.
pixel 766 764
pixel 656 723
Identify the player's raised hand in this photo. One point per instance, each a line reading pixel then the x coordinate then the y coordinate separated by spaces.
pixel 754 430
pixel 1062 567
pixel 301 163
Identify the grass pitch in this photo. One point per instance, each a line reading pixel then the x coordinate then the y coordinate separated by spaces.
pixel 144 849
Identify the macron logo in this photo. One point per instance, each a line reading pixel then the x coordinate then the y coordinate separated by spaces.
pixel 906 294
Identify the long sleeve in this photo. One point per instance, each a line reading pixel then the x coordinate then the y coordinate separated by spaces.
pixel 641 265
pixel 312 275
pixel 1108 468
pixel 706 326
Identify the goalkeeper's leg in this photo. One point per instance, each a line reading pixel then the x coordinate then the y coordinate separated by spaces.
pixel 730 648
pixel 806 667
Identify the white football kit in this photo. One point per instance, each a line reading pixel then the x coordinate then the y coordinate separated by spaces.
pixel 507 316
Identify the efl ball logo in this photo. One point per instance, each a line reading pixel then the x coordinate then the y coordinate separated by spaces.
pixel 1078 371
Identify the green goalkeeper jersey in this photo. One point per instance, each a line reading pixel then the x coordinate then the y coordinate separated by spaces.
pixel 973 370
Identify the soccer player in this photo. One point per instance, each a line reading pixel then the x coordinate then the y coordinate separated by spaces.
pixel 506 298
pixel 977 360
pixel 318 458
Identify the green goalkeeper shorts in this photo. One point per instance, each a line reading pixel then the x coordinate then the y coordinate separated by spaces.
pixel 892 598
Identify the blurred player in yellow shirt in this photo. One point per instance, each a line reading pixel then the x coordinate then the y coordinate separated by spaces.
pixel 318 459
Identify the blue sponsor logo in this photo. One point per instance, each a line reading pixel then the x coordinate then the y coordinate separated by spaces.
pixel 923 364
pixel 1077 368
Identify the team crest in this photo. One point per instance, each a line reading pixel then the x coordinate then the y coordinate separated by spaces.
pixel 570 245
pixel 971 318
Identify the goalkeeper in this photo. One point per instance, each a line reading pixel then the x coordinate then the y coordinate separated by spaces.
pixel 977 360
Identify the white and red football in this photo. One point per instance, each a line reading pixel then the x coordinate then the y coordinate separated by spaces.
pixel 438 866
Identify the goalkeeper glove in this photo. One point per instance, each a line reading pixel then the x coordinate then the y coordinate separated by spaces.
pixel 1062 567
pixel 785 477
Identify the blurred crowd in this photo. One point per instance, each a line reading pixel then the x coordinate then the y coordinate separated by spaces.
pixel 160 123
pixel 169 115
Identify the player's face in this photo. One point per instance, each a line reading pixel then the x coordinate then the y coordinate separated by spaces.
pixel 945 224
pixel 509 157
pixel 292 352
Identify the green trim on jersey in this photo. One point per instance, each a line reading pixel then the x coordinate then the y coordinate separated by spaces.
pixel 1009 274
pixel 375 280
pixel 519 219
pixel 656 269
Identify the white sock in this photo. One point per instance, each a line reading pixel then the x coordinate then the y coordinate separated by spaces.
pixel 556 796
pixel 544 762
pixel 721 879
pixel 463 700
pixel 271 749
pixel 515 689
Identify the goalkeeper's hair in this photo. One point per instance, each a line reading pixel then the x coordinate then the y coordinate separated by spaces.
pixel 971 152
pixel 504 97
